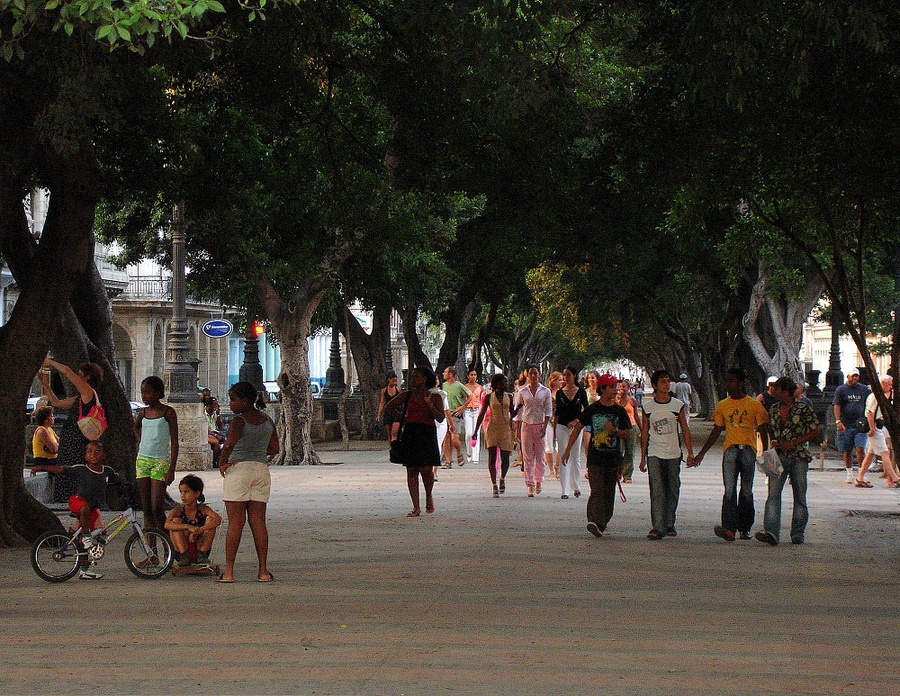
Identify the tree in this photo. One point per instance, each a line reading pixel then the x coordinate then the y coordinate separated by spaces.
pixel 58 101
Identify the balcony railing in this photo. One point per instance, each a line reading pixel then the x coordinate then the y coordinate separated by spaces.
pixel 149 287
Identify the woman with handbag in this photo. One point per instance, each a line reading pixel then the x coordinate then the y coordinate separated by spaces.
pixel 72 442
pixel 417 445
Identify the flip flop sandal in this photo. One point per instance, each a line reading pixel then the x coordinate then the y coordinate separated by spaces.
pixel 221 578
pixel 863 484
pixel 268 579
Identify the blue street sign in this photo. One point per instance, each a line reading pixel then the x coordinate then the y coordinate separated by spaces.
pixel 218 328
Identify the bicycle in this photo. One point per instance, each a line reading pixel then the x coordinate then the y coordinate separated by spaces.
pixel 58 556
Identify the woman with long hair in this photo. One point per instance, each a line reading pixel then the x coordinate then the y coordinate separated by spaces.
pixel 571 400
pixel 551 450
pixel 633 442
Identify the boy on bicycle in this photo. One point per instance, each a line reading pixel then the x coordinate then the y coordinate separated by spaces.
pixel 91 480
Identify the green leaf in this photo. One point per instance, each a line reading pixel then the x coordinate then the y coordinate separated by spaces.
pixel 183 30
pixel 103 31
pixel 68 28
pixel 51 5
pixel 124 33
pixel 215 6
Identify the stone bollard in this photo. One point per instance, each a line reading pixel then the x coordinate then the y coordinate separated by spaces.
pixel 194 453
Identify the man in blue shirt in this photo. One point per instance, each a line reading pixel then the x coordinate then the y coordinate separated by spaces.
pixel 849 406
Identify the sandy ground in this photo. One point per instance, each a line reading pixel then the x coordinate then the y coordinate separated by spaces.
pixel 508 596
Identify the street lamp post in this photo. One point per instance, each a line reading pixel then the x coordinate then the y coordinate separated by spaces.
pixel 180 374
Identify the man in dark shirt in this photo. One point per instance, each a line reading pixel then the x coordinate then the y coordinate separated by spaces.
pixel 849 406
pixel 609 424
pixel 91 480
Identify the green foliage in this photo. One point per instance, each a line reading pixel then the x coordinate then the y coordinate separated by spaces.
pixel 135 24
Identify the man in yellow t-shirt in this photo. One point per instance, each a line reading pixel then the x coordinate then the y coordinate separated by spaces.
pixel 742 417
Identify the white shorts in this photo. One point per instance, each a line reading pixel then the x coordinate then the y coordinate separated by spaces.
pixel 877 443
pixel 247 481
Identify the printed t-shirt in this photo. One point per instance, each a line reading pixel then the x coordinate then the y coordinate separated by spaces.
pixel 662 419
pixel 603 447
pixel 852 401
pixel 740 418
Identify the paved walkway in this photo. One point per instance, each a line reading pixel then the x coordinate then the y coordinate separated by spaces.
pixel 508 596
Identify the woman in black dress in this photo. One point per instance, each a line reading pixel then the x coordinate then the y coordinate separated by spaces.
pixel 423 408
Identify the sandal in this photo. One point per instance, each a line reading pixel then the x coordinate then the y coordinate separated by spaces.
pixel 502 485
pixel 655 535
pixel 495 492
pixel 270 578
pixel 863 484
pixel 221 578
pixel 429 509
pixel 414 513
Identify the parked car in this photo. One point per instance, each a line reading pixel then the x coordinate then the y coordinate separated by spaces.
pixel 273 391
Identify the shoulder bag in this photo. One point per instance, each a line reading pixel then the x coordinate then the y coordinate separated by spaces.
pixel 92 424
pixel 398 451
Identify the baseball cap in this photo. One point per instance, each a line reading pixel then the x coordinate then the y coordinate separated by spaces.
pixel 607 380
pixel 771 380
pixel 853 371
pixel 682 376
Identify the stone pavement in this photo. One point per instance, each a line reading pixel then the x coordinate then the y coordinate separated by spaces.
pixel 508 596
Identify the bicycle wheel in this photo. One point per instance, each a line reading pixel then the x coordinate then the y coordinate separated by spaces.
pixel 55 558
pixel 152 561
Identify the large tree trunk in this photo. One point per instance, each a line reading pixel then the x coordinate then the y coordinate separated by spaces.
pixel 369 357
pixel 292 323
pixel 457 320
pixel 411 336
pixel 786 316
pixel 45 281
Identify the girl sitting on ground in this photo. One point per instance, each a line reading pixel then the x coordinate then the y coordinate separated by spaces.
pixel 193 523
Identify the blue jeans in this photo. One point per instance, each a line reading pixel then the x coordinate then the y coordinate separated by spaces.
pixel 665 485
pixel 738 512
pixel 797 472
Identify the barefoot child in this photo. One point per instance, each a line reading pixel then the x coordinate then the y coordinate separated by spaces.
pixel 193 523
pixel 156 431
pixel 90 493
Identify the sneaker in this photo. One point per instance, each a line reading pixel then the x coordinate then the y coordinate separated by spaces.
pixel 767 538
pixel 594 529
pixel 577 494
pixel 744 536
pixel 723 533
pixel 850 477
pixel 89 575
pixel 797 539
pixel 202 558
pixel 563 497
pixel 184 560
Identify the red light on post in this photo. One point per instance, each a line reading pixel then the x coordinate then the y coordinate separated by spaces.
pixel 258 329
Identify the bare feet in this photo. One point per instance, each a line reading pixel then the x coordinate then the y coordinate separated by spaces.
pixel 414 513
